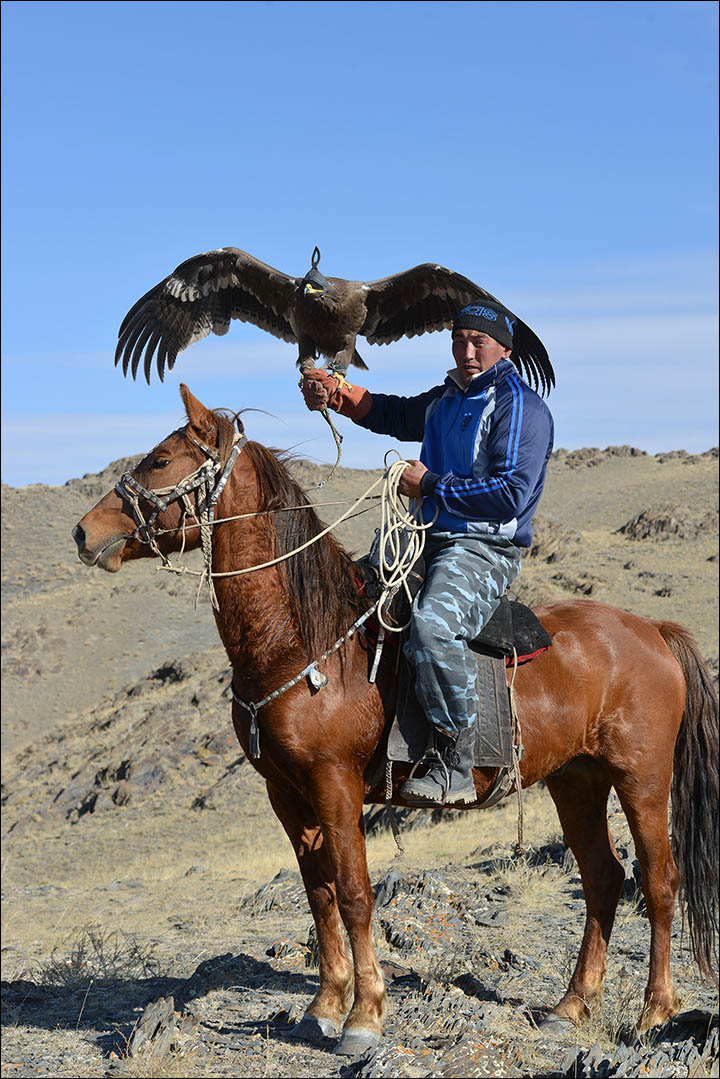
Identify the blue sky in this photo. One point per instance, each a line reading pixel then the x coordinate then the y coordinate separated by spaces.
pixel 562 155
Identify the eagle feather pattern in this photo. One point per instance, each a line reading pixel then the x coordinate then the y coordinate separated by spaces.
pixel 206 292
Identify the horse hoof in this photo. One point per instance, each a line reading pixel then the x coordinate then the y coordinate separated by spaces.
pixel 555 1024
pixel 357 1041
pixel 315 1028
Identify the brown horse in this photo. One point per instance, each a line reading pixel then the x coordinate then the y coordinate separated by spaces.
pixel 618 701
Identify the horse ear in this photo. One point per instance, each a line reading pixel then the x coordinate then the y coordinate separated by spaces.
pixel 200 418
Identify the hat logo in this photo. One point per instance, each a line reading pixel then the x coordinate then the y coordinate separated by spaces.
pixel 480 312
pixel 510 323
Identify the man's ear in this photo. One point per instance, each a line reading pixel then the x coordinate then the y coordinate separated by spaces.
pixel 200 418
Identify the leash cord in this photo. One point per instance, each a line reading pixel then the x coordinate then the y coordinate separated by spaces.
pixel 338 446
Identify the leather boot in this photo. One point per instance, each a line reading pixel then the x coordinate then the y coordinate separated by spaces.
pixel 449 778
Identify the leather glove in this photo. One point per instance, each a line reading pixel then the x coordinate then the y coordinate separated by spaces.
pixel 318 387
pixel 322 389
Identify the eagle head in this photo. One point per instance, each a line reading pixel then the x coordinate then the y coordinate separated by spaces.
pixel 313 283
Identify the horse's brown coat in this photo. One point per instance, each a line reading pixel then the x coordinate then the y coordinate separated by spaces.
pixel 609 697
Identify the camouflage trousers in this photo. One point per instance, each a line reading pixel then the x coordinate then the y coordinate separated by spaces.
pixel 466 576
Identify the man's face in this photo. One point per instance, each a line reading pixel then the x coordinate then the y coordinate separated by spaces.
pixel 475 352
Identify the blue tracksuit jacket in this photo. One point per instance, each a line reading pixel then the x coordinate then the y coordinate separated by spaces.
pixel 486 449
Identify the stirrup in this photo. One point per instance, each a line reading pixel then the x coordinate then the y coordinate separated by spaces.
pixel 436 786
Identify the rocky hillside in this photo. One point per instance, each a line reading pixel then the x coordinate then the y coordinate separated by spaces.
pixel 142 862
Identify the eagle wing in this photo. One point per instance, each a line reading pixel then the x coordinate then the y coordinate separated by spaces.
pixel 427 298
pixel 201 297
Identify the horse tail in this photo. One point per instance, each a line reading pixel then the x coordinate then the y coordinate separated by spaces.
pixel 694 795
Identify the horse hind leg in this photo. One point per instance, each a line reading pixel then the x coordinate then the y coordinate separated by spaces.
pixel 580 795
pixel 324 1015
pixel 646 807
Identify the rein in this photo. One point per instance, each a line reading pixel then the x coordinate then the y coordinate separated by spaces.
pixel 267 513
pixel 402 539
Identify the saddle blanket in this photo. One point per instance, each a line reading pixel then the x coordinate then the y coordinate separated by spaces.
pixel 410 732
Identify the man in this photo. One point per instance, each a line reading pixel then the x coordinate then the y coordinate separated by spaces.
pixel 486 440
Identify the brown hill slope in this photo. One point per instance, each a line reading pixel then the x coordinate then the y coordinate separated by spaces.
pixel 129 807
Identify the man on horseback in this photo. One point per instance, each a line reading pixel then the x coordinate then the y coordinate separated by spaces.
pixel 486 440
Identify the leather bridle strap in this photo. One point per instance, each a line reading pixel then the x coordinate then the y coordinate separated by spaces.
pixel 129 488
pixel 133 491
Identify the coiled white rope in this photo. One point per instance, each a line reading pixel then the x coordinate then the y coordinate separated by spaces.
pixel 401 539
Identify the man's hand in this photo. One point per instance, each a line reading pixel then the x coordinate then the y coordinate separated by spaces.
pixel 318 386
pixel 409 483
pixel 322 389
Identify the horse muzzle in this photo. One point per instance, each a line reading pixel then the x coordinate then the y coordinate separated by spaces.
pixel 106 554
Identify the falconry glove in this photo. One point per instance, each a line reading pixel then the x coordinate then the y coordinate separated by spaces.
pixel 322 389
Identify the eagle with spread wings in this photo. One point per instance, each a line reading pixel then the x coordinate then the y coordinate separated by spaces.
pixel 323 315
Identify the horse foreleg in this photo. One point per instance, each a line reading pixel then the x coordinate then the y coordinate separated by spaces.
pixel 324 1015
pixel 580 796
pixel 646 808
pixel 339 806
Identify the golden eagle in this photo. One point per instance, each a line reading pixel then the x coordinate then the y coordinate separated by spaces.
pixel 323 315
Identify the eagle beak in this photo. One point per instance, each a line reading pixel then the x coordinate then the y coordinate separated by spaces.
pixel 310 290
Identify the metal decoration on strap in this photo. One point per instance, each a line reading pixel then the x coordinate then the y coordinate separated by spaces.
pixel 253 707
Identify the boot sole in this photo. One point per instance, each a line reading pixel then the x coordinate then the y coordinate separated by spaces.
pixel 426 802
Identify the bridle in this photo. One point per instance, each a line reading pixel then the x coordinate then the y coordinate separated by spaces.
pixel 208 480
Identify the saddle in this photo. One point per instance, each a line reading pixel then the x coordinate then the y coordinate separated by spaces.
pixel 513 635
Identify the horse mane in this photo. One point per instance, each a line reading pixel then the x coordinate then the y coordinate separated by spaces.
pixel 320 582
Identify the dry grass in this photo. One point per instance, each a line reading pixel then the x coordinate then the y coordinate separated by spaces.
pixel 456 840
pixel 143 858
pixel 530 887
pixel 186 1064
pixel 612 1022
pixel 195 1062
pixel 96 954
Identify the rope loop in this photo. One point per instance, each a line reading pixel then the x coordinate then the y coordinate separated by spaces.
pixel 401 538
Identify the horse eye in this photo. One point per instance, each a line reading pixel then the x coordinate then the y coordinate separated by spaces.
pixel 161 462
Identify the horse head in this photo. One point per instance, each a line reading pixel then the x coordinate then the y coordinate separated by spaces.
pixel 155 509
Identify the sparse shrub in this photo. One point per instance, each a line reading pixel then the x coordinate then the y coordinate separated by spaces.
pixel 526 880
pixel 97 954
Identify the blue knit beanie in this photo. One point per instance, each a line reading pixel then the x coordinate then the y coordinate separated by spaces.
pixel 487 317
